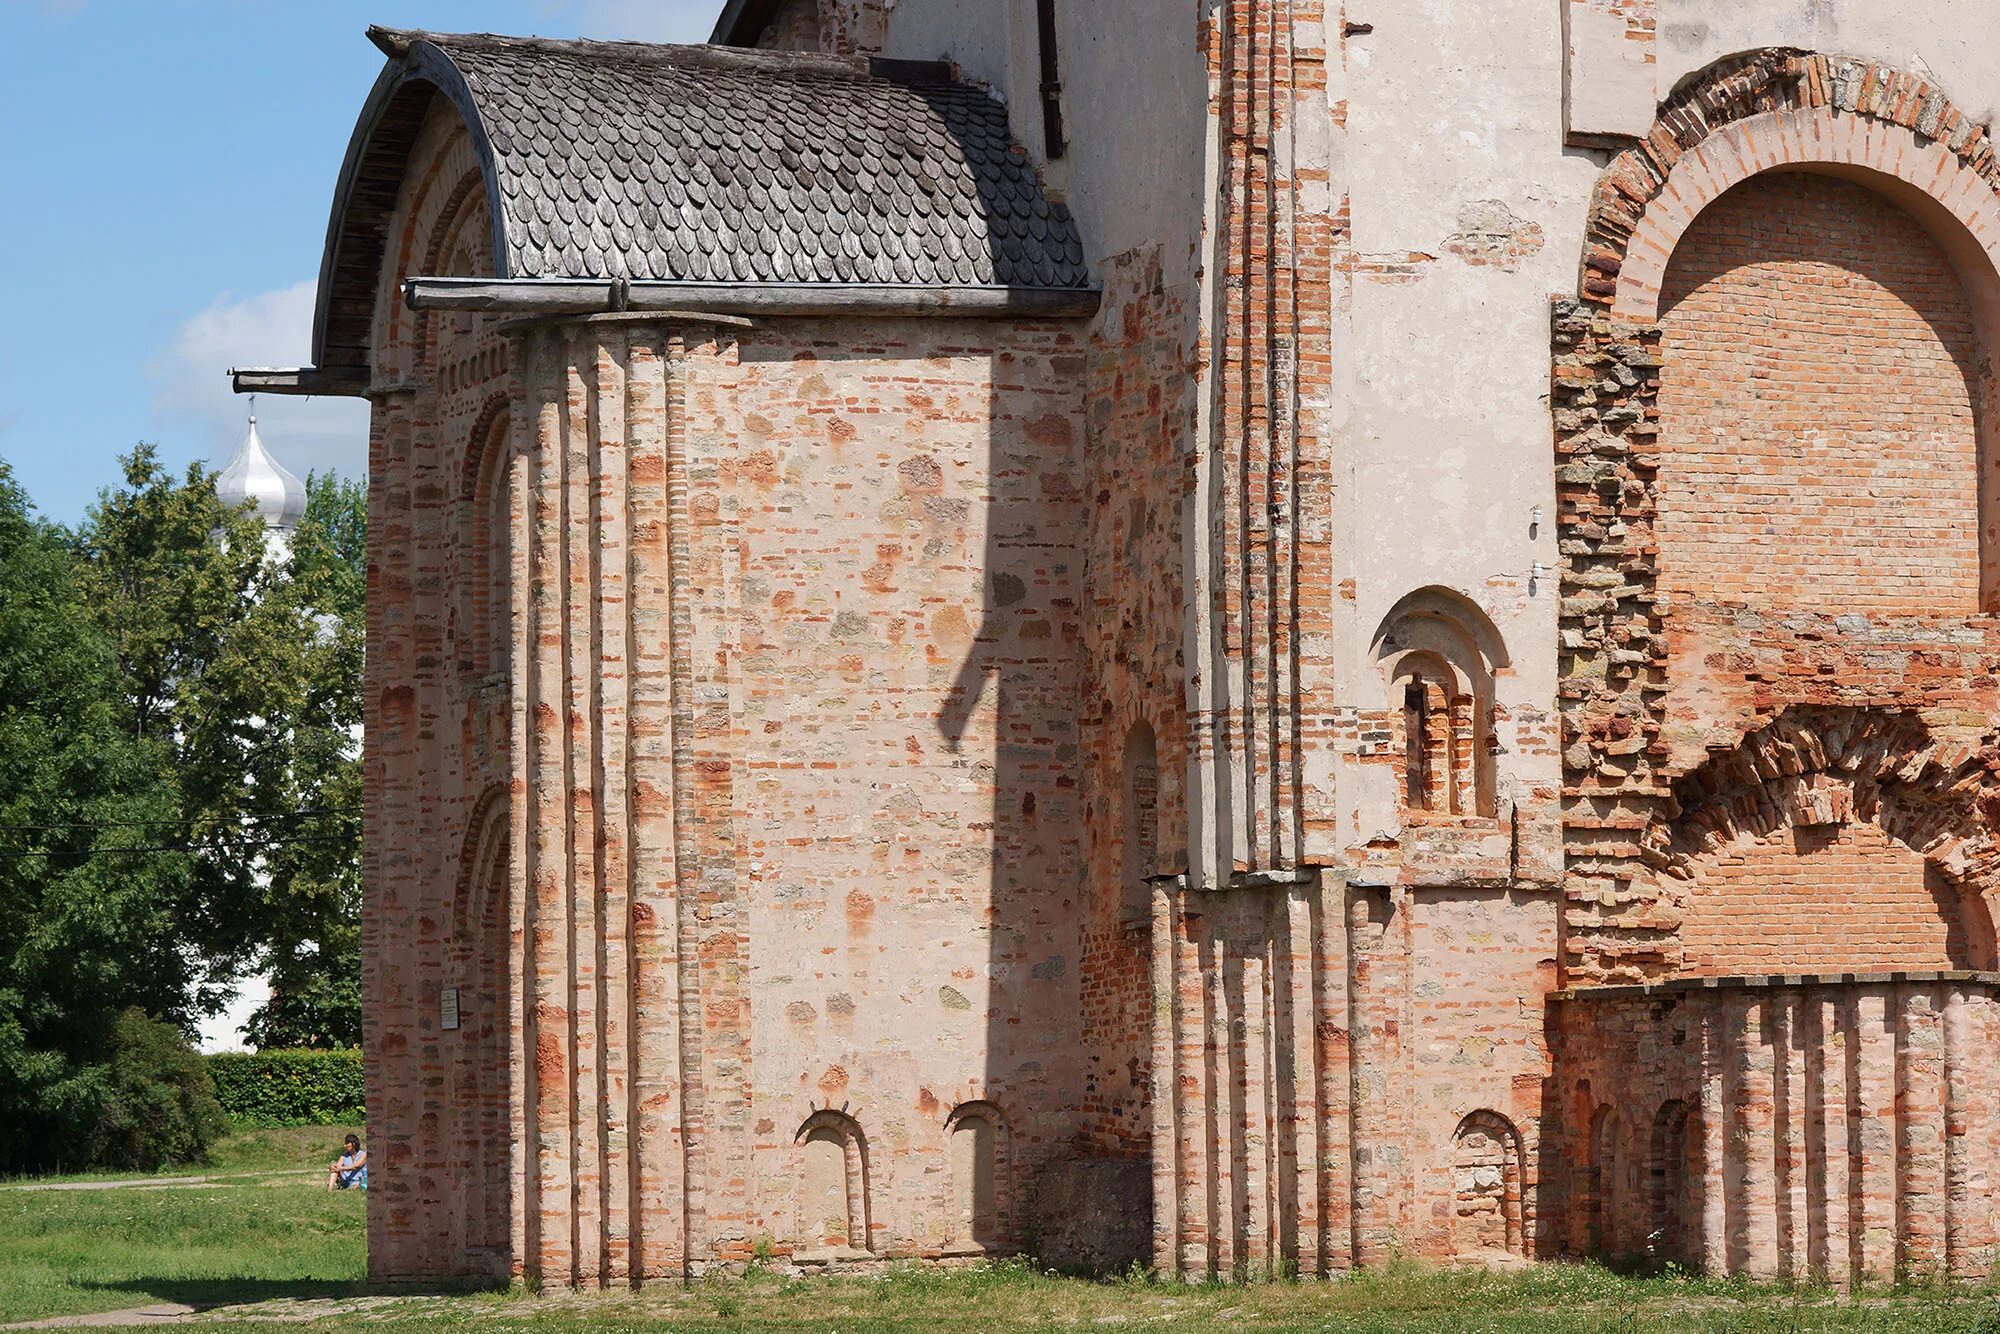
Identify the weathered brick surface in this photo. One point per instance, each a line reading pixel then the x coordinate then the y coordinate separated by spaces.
pixel 1818 391
pixel 873 780
pixel 1777 690
pixel 1807 1127
pixel 1820 899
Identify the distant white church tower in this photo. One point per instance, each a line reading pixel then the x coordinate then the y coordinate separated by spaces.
pixel 280 498
pixel 253 475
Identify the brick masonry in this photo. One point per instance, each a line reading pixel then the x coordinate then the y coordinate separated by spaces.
pixel 893 788
pixel 1776 692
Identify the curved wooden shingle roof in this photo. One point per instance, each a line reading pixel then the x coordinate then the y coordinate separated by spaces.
pixel 623 160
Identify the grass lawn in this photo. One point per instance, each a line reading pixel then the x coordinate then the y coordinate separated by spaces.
pixel 287 1148
pixel 68 1251
pixel 298 1252
pixel 1550 1299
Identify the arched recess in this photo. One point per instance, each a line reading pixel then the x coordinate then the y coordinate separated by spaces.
pixel 833 1203
pixel 1140 813
pixel 1888 131
pixel 1807 777
pixel 366 197
pixel 1117 957
pixel 1670 1183
pixel 1438 654
pixel 980 1166
pixel 1774 111
pixel 482 616
pixel 1607 1200
pixel 477 968
pixel 1487 1192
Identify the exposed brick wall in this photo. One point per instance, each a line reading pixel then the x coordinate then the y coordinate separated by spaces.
pixel 795 27
pixel 1776 743
pixel 1820 899
pixel 1139 414
pixel 904 704
pixel 842 27
pixel 1802 1126
pixel 1654 683
pixel 1819 446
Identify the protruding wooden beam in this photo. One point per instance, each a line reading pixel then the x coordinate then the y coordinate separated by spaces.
pixel 304 380
pixel 586 296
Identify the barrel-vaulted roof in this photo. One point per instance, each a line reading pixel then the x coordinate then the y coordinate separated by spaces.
pixel 623 160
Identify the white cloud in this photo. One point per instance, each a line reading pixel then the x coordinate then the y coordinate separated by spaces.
pixel 635 20
pixel 193 400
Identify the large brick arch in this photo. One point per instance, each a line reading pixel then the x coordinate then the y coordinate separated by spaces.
pixel 1822 789
pixel 1779 109
pixel 1647 694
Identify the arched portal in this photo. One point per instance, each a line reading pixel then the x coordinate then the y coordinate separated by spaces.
pixel 476 976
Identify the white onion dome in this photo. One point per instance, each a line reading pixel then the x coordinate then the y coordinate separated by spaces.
pixel 253 475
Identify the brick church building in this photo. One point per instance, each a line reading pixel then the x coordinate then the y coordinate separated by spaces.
pixel 1249 635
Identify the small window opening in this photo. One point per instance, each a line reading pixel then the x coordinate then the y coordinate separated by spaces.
pixel 1052 116
pixel 1416 751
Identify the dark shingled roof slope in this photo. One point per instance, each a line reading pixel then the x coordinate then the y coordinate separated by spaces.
pixel 701 164
pixel 624 161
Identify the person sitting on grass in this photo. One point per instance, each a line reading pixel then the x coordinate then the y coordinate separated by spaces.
pixel 350 1170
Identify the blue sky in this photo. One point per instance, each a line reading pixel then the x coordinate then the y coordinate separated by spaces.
pixel 166 167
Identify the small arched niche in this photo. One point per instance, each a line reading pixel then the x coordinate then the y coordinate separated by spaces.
pixel 977 1139
pixel 1438 654
pixel 1605 1195
pixel 1670 1181
pixel 833 1185
pixel 484 612
pixel 477 1051
pixel 1486 1186
pixel 1139 802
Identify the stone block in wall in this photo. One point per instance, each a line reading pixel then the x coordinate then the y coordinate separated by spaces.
pixel 1608 89
pixel 1094 1215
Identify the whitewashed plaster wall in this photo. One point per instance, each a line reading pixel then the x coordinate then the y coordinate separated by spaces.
pixel 1135 107
pixel 1456 132
pixel 1453 154
pixel 1954 41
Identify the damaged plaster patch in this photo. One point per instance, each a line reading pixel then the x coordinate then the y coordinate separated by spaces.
pixel 1489 233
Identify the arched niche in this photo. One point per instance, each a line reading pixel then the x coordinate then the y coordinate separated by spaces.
pixel 1438 654
pixel 1139 802
pixel 1798 812
pixel 483 610
pixel 977 1137
pixel 833 1204
pixel 1673 1176
pixel 1606 1197
pixel 1487 1191
pixel 478 1050
pixel 1753 123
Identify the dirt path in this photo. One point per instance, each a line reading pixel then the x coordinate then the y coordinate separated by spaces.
pixel 161 1183
pixel 160 1313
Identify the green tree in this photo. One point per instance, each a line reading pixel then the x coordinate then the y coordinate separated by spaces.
pixel 91 914
pixel 245 671
pixel 312 937
pixel 179 586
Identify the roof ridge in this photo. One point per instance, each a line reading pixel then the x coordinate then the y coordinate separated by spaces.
pixel 396 43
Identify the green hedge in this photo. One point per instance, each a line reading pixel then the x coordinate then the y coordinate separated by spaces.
pixel 289 1088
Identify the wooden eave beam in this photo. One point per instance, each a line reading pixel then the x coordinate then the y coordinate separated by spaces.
pixel 589 296
pixel 318 382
